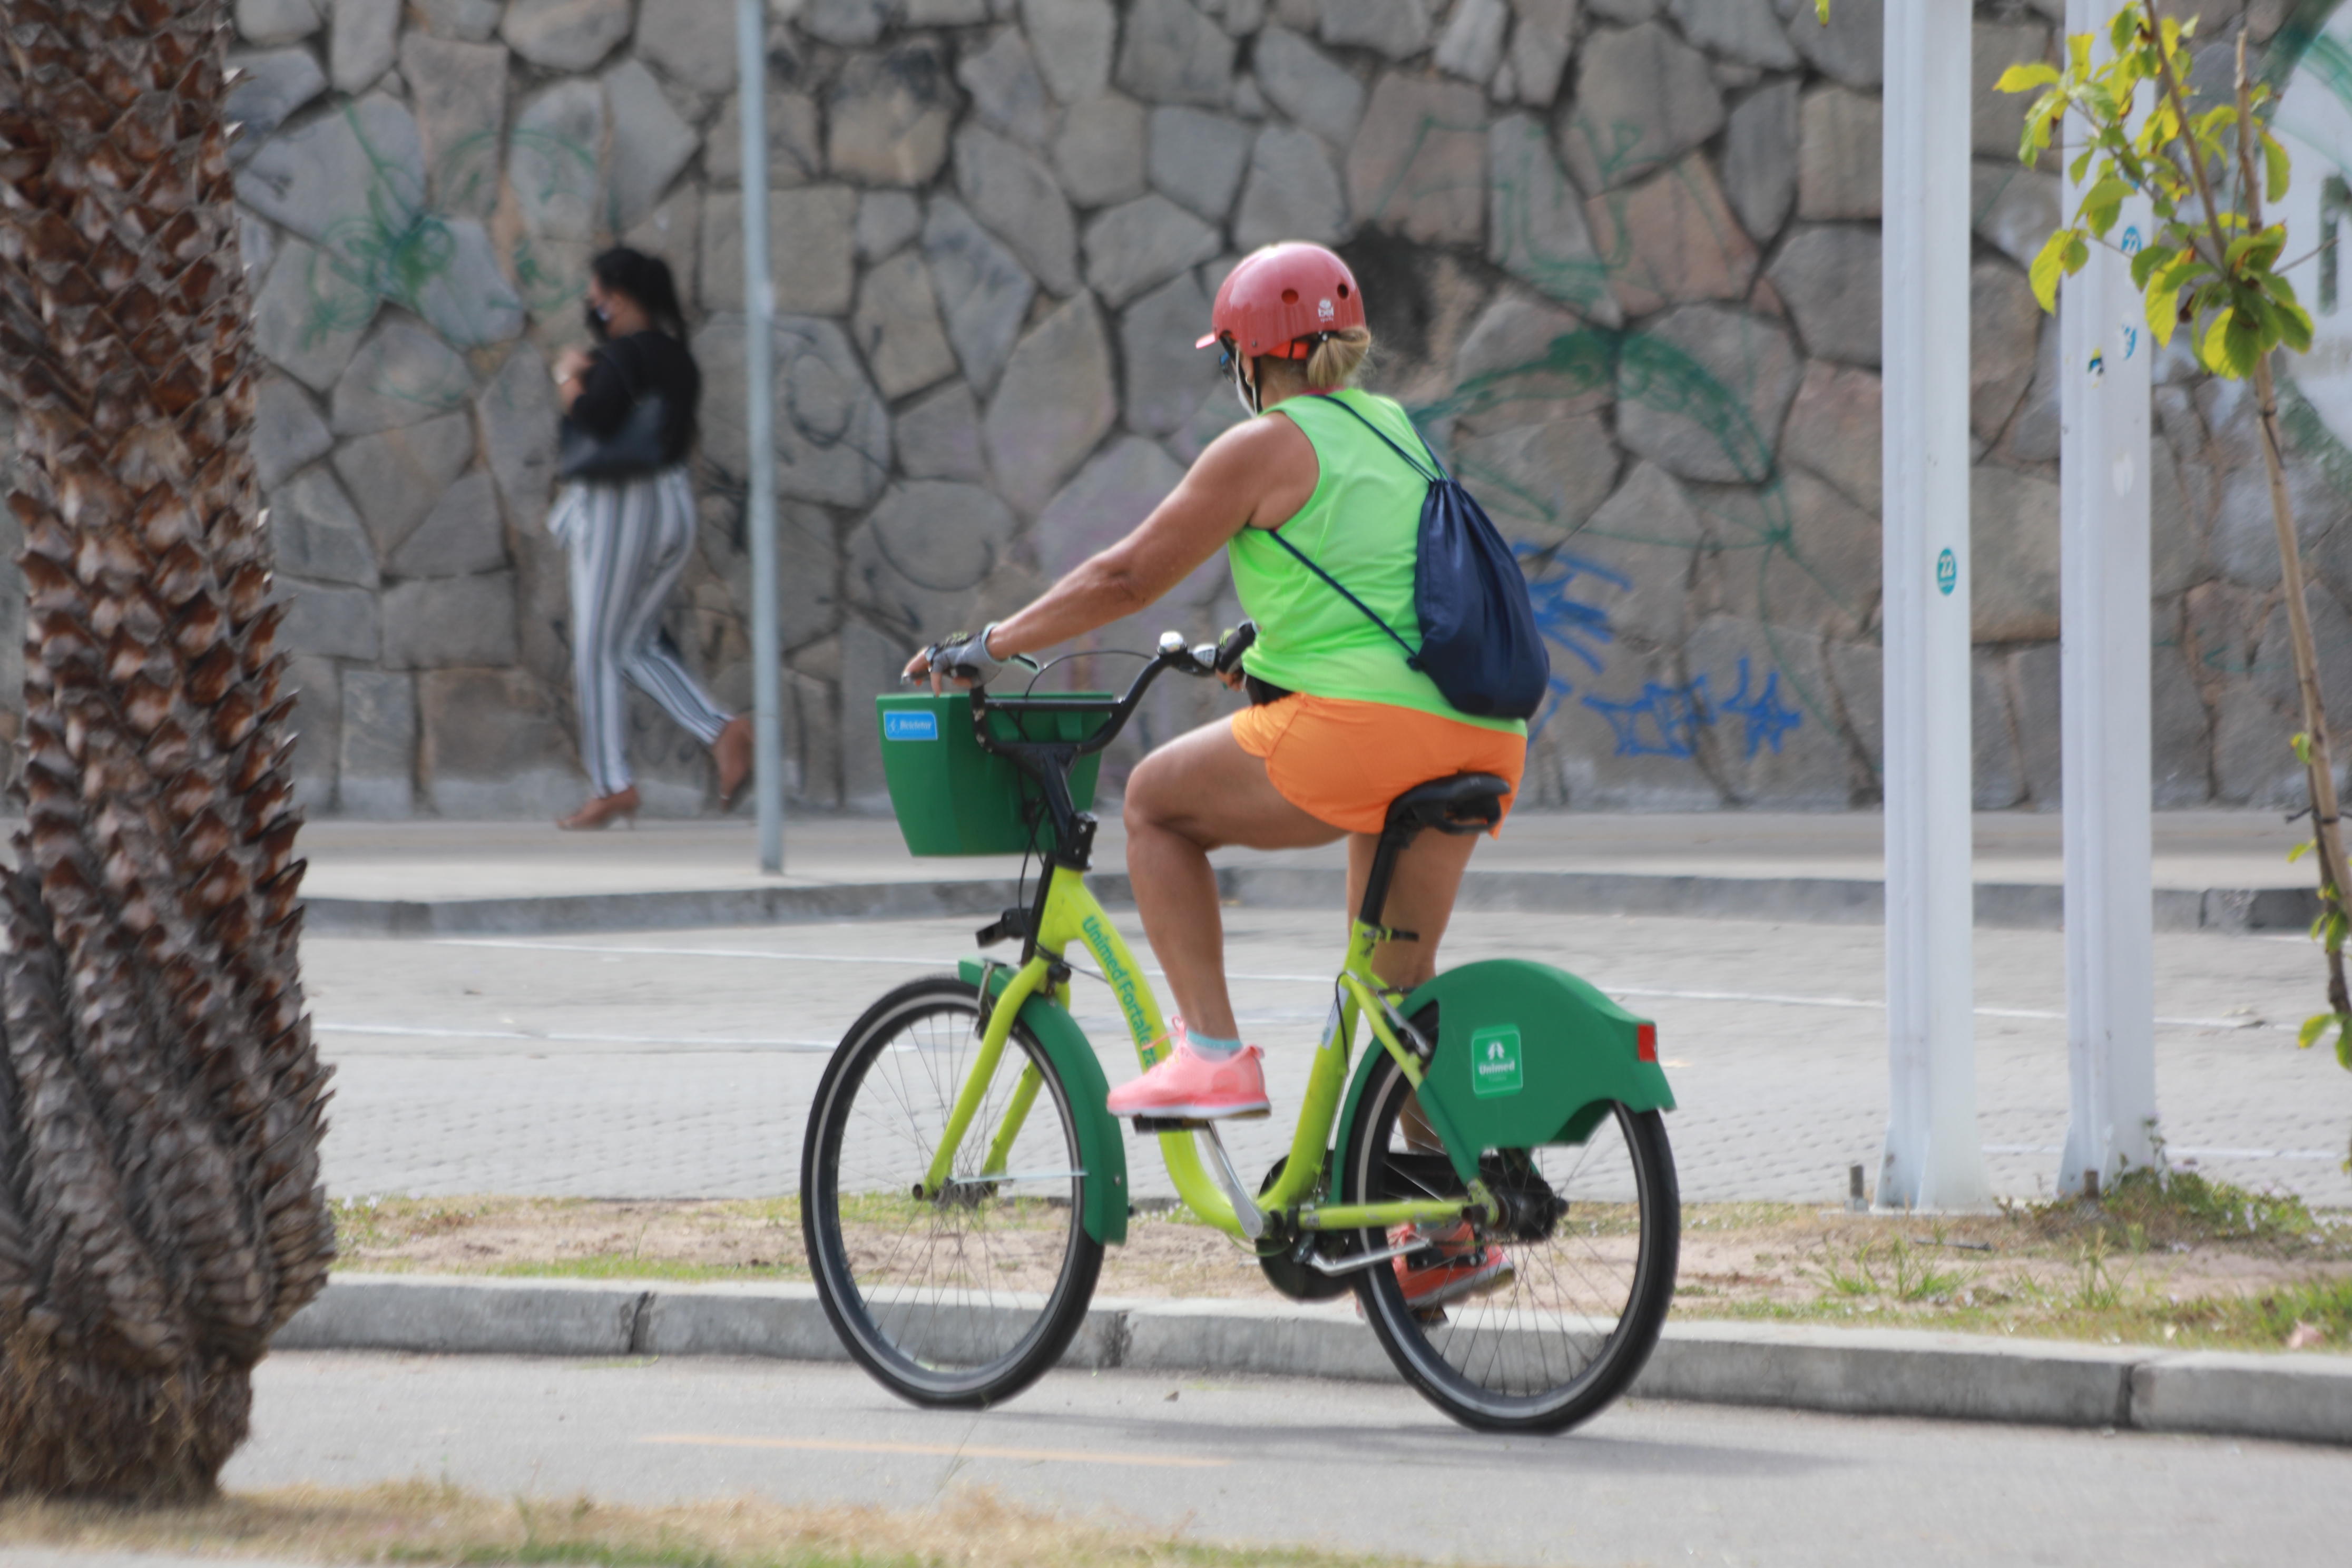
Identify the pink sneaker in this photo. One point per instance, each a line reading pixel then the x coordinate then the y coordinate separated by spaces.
pixel 1187 1087
pixel 1460 1267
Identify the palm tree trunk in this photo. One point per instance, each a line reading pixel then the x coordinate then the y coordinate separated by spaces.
pixel 159 1096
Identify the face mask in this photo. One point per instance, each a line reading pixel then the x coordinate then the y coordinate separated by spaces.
pixel 1241 391
pixel 594 314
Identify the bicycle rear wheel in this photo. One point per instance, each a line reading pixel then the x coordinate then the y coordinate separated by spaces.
pixel 965 1298
pixel 1560 1331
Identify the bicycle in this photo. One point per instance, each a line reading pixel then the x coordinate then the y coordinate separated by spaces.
pixel 962 1177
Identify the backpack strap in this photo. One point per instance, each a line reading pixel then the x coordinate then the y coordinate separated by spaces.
pixel 1411 657
pixel 1439 477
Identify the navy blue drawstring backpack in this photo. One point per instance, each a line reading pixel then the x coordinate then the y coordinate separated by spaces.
pixel 1478 636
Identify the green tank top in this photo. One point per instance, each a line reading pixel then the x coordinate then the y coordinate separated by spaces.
pixel 1362 525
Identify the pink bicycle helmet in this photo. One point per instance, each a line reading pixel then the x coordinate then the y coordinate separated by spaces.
pixel 1283 299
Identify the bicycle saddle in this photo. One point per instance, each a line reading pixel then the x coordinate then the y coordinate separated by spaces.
pixel 1464 803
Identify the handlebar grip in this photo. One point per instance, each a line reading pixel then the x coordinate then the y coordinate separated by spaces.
pixel 1236 643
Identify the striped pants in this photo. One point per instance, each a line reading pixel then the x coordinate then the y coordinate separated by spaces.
pixel 628 542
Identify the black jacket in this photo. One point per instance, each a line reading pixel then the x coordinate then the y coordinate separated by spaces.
pixel 626 369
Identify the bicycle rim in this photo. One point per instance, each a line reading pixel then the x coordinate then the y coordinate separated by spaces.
pixel 961 1300
pixel 1561 1330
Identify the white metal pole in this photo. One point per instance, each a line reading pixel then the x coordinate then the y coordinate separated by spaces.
pixel 2105 755
pixel 1934 1159
pixel 759 419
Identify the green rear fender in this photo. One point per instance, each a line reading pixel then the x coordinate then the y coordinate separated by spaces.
pixel 1527 1054
pixel 1101 1149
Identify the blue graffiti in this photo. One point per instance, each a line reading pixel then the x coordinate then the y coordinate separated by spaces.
pixel 1672 714
pixel 1558 584
pixel 1766 719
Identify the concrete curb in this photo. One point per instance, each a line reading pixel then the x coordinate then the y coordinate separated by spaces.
pixel 1826 900
pixel 1847 1372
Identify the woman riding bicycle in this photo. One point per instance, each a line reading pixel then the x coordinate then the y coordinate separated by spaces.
pixel 1340 723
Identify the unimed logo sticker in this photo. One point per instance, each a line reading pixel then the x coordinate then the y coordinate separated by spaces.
pixel 1495 1064
pixel 911 726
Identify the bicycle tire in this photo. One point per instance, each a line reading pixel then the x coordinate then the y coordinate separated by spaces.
pixel 948 1304
pixel 1565 1331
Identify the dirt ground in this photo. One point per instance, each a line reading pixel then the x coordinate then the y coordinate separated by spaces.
pixel 2191 1266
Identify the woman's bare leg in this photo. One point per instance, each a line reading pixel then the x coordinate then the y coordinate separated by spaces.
pixel 1198 793
pixel 1421 899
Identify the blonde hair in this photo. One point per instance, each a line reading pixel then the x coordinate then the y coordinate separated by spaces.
pixel 1337 361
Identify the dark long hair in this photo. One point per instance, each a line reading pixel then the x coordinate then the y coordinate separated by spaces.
pixel 648 281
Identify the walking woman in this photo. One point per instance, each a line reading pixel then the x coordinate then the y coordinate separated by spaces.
pixel 626 518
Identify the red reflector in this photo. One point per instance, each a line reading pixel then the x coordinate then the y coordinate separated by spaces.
pixel 1646 1042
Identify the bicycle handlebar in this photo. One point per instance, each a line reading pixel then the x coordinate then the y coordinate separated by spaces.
pixel 1219 657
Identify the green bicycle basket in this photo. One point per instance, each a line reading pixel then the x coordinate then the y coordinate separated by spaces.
pixel 952 798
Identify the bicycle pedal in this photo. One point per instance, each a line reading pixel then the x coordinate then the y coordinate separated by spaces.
pixel 1166 1124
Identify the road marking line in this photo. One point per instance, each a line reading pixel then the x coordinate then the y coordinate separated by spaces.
pixel 940 1450
pixel 426 1032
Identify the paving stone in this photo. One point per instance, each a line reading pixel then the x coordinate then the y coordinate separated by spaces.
pixel 1643 97
pixel 467 21
pixel 672 234
pixel 1829 276
pixel 832 431
pixel 1170 53
pixel 277 21
pixel 1541 41
pixel 2244 546
pixel 360 42
pixel 1838 156
pixel 946 13
pixel 309 315
pixel 1703 391
pixel 1072 40
pixel 2015 208
pixel 402 375
pixel 257 247
pixel 1397 29
pixel 1291 192
pixel 461 535
pixel 565 35
pixel 1006 90
pixel 1773 737
pixel 1834 429
pixel 889 115
pixel 518 415
pixel 1536 226
pixel 2012 555
pixel 852 24
pixel 1214 416
pixel 1100 151
pixel 1997 119
pixel 1141 243
pixel 2182 731
pixel 327 621
pixel 1247 100
pixel 341 175
pixel 287 433
pixel 1624 12
pixel 276 83
pixel 552 161
pixel 1678 240
pixel 1743 30
pixel 1759 159
pixel 983 290
pixel 2033 688
pixel 449 622
pixel 1167 379
pixel 2004 332
pixel 1851 48
pixel 953 536
pixel 1796 553
pixel 1102 504
pixel 897 325
pixel 377 767
pixel 1524 363
pixel 812 241
pixel 938 437
pixel 2173 563
pixel 1198 159
pixel 1418 164
pixel 1017 196
pixel 795 154
pixel 2331 640
pixel 1308 85
pixel 487 736
pixel 1641 539
pixel 466 298
pixel 317 725
pixel 692 41
pixel 1539 483
pixel 885 220
pixel 318 535
pixel 1472 46
pixel 650 144
pixel 395 477
pixel 459 93
pixel 1055 402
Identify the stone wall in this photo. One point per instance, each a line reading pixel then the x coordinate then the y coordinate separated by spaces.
pixel 1622 256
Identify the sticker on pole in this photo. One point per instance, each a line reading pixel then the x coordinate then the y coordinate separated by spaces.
pixel 911 726
pixel 1948 573
pixel 1494 1065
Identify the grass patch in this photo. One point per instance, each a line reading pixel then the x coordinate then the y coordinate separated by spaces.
pixel 420 1521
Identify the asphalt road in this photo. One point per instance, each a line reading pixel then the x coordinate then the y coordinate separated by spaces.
pixel 1276 1461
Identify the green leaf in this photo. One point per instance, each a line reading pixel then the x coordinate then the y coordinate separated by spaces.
pixel 2344 1048
pixel 2018 77
pixel 2313 1028
pixel 2144 264
pixel 2274 169
pixel 2063 253
pixel 2300 850
pixel 1821 12
pixel 2101 202
pixel 2295 327
pixel 2074 170
pixel 2300 743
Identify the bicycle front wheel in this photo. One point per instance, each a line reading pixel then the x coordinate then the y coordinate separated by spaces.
pixel 966 1297
pixel 1539 1324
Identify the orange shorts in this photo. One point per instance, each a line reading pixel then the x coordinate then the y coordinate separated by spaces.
pixel 1343 761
